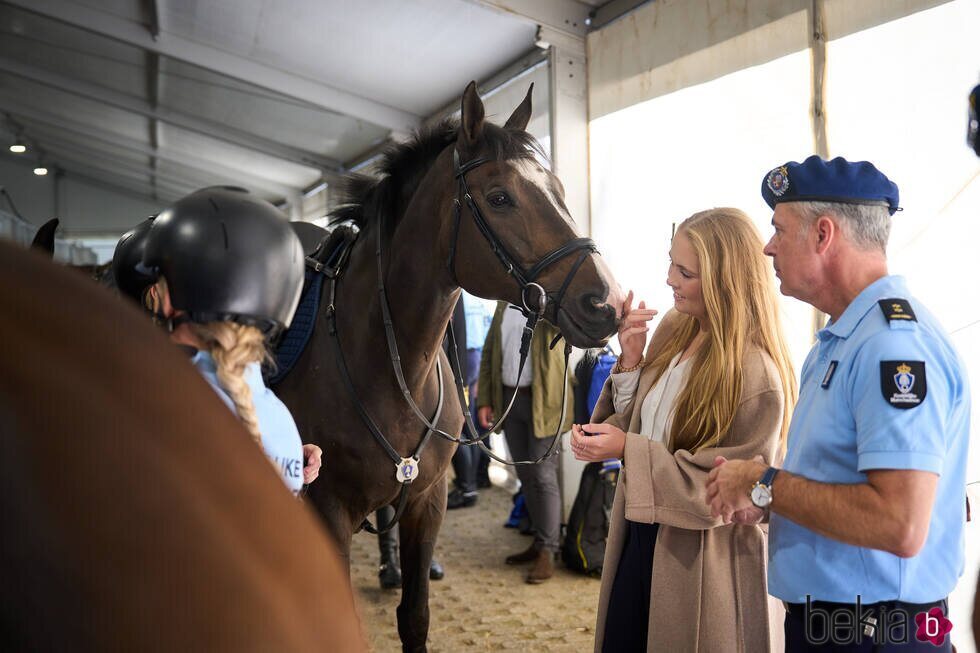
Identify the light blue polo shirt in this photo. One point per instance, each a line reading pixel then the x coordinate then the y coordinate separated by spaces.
pixel 280 437
pixel 477 320
pixel 877 393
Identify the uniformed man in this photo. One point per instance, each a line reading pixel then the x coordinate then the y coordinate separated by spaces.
pixel 867 512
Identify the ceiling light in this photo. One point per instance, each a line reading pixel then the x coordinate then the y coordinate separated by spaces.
pixel 40 171
pixel 18 147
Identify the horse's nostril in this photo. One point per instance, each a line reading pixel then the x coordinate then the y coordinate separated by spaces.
pixel 593 302
pixel 597 309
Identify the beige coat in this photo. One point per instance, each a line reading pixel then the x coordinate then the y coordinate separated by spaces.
pixel 708 592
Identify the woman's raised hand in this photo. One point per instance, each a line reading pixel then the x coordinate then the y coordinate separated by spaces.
pixel 633 331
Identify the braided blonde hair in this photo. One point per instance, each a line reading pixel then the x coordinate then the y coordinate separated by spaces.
pixel 233 347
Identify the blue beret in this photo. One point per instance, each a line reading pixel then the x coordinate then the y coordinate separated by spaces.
pixel 837 180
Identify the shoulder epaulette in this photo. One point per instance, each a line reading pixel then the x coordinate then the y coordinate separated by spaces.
pixel 897 310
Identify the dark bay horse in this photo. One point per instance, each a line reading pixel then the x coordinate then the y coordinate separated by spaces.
pixel 429 253
pixel 137 513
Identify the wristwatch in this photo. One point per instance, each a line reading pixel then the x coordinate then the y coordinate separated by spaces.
pixel 761 493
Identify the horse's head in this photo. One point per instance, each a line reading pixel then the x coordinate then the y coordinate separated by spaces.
pixel 513 237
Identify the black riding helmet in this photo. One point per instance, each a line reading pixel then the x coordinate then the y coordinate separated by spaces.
pixel 227 256
pixel 130 277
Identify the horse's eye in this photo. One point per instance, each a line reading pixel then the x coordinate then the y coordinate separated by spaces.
pixel 498 199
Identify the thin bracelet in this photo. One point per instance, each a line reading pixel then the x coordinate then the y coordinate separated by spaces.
pixel 622 370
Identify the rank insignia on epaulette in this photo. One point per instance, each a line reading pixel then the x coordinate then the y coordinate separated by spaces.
pixel 903 383
pixel 897 309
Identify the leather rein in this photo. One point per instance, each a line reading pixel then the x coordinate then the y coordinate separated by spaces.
pixel 407 469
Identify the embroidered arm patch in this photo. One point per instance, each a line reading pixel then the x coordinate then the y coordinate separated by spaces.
pixel 903 383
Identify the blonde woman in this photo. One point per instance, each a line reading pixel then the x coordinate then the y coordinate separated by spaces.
pixel 229 273
pixel 716 380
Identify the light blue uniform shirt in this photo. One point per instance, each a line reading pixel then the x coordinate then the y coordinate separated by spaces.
pixel 478 318
pixel 877 393
pixel 280 437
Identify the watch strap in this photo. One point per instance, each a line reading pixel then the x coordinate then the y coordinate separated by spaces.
pixel 769 477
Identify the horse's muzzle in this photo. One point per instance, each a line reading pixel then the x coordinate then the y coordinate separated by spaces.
pixel 589 321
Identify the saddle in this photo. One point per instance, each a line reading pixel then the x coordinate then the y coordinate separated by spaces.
pixel 327 252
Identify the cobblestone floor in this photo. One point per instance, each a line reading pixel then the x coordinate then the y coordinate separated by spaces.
pixel 482 604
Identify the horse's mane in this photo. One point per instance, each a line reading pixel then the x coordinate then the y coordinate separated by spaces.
pixel 402 167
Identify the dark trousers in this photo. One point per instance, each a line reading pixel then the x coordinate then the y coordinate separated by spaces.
pixel 830 628
pixel 628 614
pixel 539 483
pixel 468 461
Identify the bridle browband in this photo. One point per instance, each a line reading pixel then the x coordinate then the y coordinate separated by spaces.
pixel 407 468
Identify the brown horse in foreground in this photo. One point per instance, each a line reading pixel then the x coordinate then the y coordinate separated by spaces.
pixel 427 256
pixel 137 513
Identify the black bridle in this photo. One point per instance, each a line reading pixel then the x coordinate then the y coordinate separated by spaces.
pixel 407 468
pixel 525 278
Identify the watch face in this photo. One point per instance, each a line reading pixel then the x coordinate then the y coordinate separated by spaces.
pixel 761 496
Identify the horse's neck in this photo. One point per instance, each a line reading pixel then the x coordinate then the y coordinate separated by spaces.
pixel 419 289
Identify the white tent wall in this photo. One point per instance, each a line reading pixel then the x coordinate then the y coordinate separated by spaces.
pixel 691 103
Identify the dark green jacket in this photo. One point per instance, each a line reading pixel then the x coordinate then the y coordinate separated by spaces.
pixel 547 376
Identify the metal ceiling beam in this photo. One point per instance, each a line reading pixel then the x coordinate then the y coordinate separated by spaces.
pixel 612 11
pixel 140 107
pixel 42 124
pixel 94 178
pixel 527 62
pixel 119 168
pixel 114 166
pixel 152 10
pixel 566 16
pixel 220 61
pixel 189 173
pixel 153 95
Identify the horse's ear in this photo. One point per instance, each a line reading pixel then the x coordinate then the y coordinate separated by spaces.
pixel 44 238
pixel 471 118
pixel 522 114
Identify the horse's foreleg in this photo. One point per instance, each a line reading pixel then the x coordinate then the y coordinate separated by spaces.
pixel 418 529
pixel 338 522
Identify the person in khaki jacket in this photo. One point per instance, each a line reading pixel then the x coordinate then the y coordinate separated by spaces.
pixel 715 381
pixel 530 425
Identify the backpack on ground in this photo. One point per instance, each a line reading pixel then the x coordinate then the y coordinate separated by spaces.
pixel 588 523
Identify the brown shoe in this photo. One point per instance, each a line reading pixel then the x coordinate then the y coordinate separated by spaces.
pixel 528 555
pixel 543 569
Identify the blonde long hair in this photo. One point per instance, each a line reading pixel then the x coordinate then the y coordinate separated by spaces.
pixel 233 347
pixel 741 305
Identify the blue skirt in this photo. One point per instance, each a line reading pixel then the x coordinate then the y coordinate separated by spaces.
pixel 628 613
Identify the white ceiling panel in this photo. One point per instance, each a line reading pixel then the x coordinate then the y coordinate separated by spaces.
pixel 69 51
pixel 165 96
pixel 25 94
pixel 265 113
pixel 176 141
pixel 412 54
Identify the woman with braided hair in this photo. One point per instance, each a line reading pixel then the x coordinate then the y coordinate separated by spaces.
pixel 229 272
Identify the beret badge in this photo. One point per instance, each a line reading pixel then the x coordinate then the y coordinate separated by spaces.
pixel 778 181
